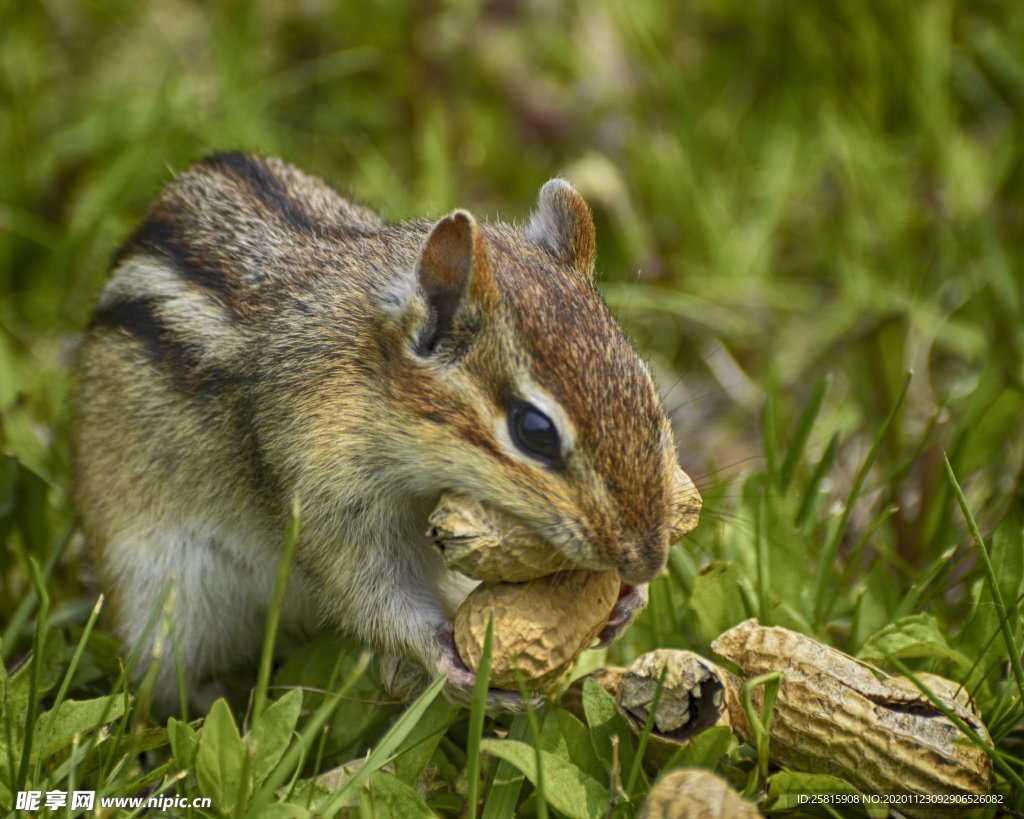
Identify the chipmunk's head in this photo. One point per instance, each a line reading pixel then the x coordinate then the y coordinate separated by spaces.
pixel 526 393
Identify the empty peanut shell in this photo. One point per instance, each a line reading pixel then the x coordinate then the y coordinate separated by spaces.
pixel 692 698
pixel 839 716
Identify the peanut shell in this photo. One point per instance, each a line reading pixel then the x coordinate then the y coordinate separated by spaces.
pixel 542 625
pixel 488 545
pixel 609 678
pixel 688 503
pixel 839 716
pixel 695 793
pixel 692 698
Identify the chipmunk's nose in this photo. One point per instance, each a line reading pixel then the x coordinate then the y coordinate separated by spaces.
pixel 646 558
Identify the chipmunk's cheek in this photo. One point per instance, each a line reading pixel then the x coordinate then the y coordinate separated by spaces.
pixel 632 600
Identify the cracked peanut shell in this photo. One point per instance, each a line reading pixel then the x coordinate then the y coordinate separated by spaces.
pixel 541 625
pixel 839 716
pixel 488 545
pixel 692 700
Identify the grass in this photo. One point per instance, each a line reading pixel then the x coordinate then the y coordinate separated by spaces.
pixel 809 217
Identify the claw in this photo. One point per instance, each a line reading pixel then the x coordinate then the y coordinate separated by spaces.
pixel 462 680
pixel 631 602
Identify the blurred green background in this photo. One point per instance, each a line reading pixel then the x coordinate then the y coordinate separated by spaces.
pixel 784 193
pixel 797 204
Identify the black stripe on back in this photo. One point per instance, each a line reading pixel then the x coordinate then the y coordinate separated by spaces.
pixel 161 236
pixel 264 184
pixel 167 352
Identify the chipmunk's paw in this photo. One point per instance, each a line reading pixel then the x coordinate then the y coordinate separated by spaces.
pixel 462 680
pixel 631 602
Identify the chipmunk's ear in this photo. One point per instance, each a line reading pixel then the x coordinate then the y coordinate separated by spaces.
pixel 562 224
pixel 454 277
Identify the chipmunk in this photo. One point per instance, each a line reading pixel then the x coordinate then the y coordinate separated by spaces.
pixel 263 339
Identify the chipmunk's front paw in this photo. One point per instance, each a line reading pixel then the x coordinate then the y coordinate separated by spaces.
pixel 632 600
pixel 462 680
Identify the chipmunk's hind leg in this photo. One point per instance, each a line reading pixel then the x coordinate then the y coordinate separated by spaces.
pixel 212 610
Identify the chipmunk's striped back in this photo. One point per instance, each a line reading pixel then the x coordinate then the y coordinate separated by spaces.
pixel 262 338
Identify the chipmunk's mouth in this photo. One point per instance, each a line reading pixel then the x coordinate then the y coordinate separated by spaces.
pixel 625 590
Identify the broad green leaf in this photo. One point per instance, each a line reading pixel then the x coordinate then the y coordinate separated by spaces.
pixel 389 743
pixel 184 743
pixel 565 736
pixel 1008 562
pixel 716 602
pixel 353 726
pixel 51 672
pixel 917 636
pixel 567 788
pixel 449 804
pixel 765 515
pixel 271 735
pixel 507 782
pixel 22 436
pixel 997 420
pixel 605 723
pixel 983 627
pixel 792 789
pixel 77 717
pixel 308 795
pixel 391 798
pixel 285 810
pixel 220 758
pixel 704 750
pixel 309 735
pixel 419 746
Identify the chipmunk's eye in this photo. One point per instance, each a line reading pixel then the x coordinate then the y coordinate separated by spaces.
pixel 534 433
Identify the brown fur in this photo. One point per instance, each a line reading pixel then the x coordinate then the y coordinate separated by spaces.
pixel 262 338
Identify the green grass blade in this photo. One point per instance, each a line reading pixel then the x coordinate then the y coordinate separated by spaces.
pixel 1013 651
pixel 541 803
pixel 770 440
pixel 760 724
pixel 803 432
pixel 507 782
pixel 158 611
pixel 1000 760
pixel 477 712
pixel 386 749
pixel 823 596
pixel 817 476
pixel 37 668
pixel 912 599
pixel 682 570
pixel 26 606
pixel 309 734
pixel 856 619
pixel 68 676
pixel 274 613
pixel 763 563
